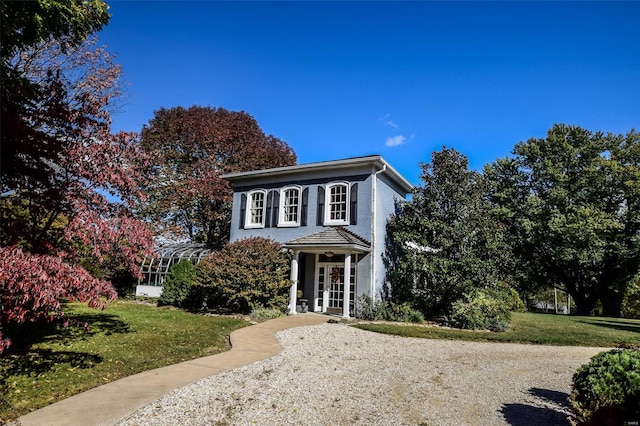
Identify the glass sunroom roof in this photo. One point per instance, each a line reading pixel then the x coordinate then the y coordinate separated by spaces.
pixel 155 268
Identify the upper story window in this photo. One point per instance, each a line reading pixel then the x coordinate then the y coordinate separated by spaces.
pixel 290 207
pixel 255 215
pixel 337 202
pixel 284 207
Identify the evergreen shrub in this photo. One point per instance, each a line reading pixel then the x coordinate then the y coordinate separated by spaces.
pixel 383 310
pixel 606 390
pixel 481 310
pixel 178 284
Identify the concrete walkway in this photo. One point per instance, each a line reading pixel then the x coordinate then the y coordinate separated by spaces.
pixel 107 404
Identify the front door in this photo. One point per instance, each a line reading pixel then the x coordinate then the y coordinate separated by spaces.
pixel 330 287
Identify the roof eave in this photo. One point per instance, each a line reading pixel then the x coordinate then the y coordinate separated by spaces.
pixel 323 165
pixel 322 248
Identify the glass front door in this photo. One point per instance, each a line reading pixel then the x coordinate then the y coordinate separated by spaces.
pixel 330 290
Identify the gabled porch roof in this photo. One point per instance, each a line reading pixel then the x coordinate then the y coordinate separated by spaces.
pixel 335 239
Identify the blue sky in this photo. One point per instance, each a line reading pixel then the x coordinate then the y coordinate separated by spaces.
pixel 401 79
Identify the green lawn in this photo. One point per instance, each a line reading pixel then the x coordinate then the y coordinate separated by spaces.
pixel 49 362
pixel 540 329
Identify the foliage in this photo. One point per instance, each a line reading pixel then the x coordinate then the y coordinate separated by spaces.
pixel 631 302
pixel 68 187
pixel 245 275
pixel 265 314
pixel 384 310
pixel 444 242
pixel 178 284
pixel 536 329
pixel 25 24
pixel 571 202
pixel 192 147
pixel 31 287
pixel 481 310
pixel 513 300
pixel 606 391
pixel 49 362
pixel 29 105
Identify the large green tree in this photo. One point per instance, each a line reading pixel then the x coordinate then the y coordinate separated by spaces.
pixel 572 205
pixel 192 147
pixel 444 242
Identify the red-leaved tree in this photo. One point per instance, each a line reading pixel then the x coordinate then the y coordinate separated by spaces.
pixel 192 147
pixel 70 188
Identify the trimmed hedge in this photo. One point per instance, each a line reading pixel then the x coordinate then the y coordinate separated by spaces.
pixel 606 390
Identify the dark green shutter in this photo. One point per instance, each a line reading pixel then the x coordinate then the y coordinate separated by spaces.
pixel 267 213
pixel 304 208
pixel 320 211
pixel 274 209
pixel 353 220
pixel 243 209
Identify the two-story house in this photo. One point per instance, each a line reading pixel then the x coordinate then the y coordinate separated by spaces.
pixel 332 215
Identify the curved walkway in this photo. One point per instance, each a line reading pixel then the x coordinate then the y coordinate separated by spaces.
pixel 107 404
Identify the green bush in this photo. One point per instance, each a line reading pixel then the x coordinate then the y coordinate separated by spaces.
pixel 481 310
pixel 631 302
pixel 606 390
pixel 373 310
pixel 178 284
pixel 245 275
pixel 265 314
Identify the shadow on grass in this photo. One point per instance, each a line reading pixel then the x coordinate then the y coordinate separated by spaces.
pixel 37 361
pixel 620 325
pixel 551 409
pixel 81 327
pixel 22 358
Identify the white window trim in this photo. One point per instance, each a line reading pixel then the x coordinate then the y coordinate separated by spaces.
pixel 281 213
pixel 247 213
pixel 327 205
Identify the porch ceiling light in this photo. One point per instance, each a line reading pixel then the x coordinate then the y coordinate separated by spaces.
pixel 329 254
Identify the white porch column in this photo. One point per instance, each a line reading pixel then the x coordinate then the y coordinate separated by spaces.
pixel 347 286
pixel 293 295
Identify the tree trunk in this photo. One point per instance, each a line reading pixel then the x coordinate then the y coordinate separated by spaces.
pixel 611 304
pixel 584 304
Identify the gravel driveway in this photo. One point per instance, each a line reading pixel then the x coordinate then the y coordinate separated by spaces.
pixel 333 374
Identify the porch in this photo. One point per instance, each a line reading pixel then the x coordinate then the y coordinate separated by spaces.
pixel 327 278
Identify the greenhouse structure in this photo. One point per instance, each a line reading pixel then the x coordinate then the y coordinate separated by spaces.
pixel 155 268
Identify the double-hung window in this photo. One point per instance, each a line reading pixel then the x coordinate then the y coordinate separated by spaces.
pixel 255 215
pixel 337 204
pixel 290 207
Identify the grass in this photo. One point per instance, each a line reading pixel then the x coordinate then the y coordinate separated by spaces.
pixel 539 329
pixel 48 362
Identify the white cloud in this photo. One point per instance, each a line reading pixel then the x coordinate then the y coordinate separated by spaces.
pixel 388 121
pixel 395 141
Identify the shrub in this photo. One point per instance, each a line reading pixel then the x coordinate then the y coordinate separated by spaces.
pixel 481 310
pixel 265 314
pixel 631 302
pixel 373 310
pixel 245 275
pixel 606 390
pixel 368 309
pixel 178 284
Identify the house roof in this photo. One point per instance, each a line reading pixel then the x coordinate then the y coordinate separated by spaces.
pixel 334 238
pixel 373 160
